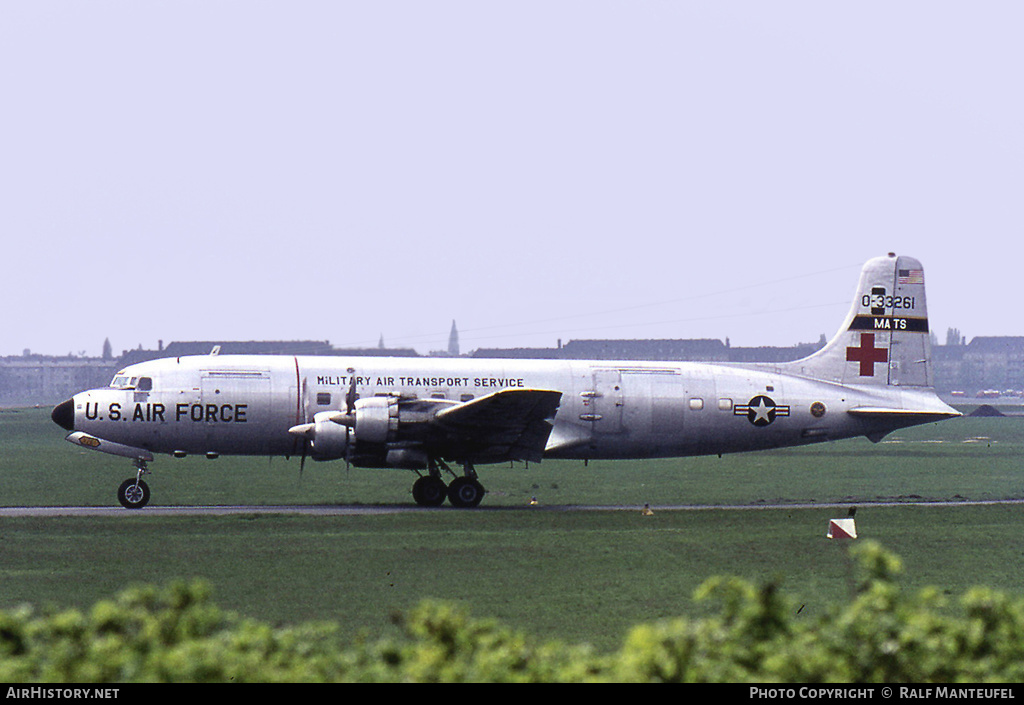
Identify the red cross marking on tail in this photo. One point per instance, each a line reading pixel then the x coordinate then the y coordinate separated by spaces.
pixel 867 355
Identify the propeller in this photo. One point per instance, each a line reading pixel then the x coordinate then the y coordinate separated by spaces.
pixel 306 432
pixel 303 432
pixel 350 412
pixel 350 396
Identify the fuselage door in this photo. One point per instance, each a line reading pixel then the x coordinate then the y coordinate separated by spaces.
pixel 235 410
pixel 603 402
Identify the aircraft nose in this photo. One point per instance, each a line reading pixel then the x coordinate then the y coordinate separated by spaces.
pixel 64 415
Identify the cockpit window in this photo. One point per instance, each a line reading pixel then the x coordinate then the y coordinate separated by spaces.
pixel 144 384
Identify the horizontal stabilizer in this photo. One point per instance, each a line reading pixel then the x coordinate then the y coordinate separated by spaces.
pixel 915 415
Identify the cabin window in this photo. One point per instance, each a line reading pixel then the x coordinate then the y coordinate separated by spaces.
pixel 145 384
pixel 466 397
pixel 725 404
pixel 323 399
pixel 696 403
pixel 438 395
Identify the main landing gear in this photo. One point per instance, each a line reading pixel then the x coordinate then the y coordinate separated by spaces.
pixel 134 493
pixel 464 492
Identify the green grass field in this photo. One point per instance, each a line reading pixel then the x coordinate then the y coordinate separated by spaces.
pixel 575 576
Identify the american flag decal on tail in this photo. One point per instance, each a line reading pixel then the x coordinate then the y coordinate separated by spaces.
pixel 910 276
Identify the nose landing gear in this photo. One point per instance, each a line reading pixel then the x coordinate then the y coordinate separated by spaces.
pixel 134 493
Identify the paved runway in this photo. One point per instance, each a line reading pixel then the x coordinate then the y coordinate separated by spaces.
pixel 353 510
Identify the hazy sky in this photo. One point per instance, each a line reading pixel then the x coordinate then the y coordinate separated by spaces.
pixel 533 170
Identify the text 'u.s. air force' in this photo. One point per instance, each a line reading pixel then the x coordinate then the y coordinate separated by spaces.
pixel 155 412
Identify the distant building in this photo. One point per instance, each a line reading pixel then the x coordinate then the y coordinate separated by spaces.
pixel 518 353
pixel 36 379
pixel 986 363
pixel 228 347
pixel 706 350
pixel 453 345
pixel 697 350
pixel 453 341
pixel 771 354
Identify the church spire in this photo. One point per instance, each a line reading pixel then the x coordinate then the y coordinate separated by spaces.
pixel 453 341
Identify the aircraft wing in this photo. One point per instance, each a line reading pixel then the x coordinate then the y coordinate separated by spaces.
pixel 511 424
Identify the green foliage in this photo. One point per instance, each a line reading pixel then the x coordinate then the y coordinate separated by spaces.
pixel 881 635
pixel 756 634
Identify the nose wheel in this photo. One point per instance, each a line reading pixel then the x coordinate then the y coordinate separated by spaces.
pixel 134 493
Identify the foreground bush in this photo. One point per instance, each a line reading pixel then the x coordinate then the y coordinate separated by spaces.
pixel 177 633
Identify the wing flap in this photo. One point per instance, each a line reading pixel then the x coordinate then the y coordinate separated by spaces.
pixel 511 424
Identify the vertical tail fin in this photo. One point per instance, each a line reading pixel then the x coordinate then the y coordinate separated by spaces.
pixel 885 338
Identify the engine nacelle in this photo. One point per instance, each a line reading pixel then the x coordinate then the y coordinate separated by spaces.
pixel 329 440
pixel 406 458
pixel 376 420
pixel 366 437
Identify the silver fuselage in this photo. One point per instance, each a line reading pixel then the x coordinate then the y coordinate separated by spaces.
pixel 245 404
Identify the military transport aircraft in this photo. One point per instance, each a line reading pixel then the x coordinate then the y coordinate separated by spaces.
pixel 421 414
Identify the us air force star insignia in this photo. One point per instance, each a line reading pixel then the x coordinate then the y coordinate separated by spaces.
pixel 761 410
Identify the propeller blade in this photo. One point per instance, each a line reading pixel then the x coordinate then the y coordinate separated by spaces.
pixel 350 396
pixel 308 429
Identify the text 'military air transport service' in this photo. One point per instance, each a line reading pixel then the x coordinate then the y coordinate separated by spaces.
pixel 426 414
